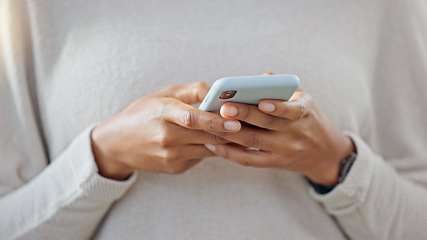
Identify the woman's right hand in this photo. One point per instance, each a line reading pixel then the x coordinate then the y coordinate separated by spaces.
pixel 159 133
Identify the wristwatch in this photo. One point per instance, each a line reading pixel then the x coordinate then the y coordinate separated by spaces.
pixel 344 169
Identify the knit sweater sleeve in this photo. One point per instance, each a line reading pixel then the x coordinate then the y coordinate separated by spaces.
pixel 375 201
pixel 384 196
pixel 65 199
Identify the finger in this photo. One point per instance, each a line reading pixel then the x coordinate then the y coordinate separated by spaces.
pixel 189 117
pixel 203 137
pixel 241 155
pixel 183 136
pixel 184 153
pixel 195 151
pixel 252 115
pixel 191 163
pixel 253 138
pixel 297 108
pixel 188 93
pixel 181 167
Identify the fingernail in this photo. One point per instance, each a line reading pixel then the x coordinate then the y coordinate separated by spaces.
pixel 267 73
pixel 231 111
pixel 211 147
pixel 232 126
pixel 268 107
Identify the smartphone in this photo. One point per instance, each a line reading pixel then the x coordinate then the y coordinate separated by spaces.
pixel 249 90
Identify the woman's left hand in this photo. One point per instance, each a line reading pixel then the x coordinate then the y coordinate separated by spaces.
pixel 290 135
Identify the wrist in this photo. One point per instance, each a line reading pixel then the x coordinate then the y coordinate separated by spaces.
pixel 108 166
pixel 329 171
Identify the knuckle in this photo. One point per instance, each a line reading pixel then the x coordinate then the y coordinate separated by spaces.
pixel 164 105
pixel 210 124
pixel 218 139
pixel 170 156
pixel 205 123
pixel 225 153
pixel 246 162
pixel 188 118
pixel 301 110
pixel 167 157
pixel 199 84
pixel 270 121
pixel 295 147
pixel 252 140
pixel 221 134
pixel 164 139
pixel 245 113
pixel 297 126
pixel 200 134
pixel 283 110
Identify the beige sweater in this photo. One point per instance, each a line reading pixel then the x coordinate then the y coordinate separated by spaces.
pixel 68 65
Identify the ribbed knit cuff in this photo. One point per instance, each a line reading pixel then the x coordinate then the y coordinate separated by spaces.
pixel 85 171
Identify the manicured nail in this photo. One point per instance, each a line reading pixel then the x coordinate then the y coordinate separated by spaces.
pixel 268 107
pixel 211 147
pixel 231 125
pixel 230 111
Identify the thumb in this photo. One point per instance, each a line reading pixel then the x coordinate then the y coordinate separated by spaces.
pixel 188 93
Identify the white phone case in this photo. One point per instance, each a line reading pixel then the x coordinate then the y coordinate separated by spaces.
pixel 249 90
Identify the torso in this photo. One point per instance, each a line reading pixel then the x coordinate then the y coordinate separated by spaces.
pixel 112 53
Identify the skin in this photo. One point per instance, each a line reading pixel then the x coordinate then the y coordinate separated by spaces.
pixel 163 133
pixel 159 133
pixel 289 135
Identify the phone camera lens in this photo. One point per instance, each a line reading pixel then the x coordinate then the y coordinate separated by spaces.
pixel 227 94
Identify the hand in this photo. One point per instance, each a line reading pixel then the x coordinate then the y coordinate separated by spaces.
pixel 290 135
pixel 159 133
